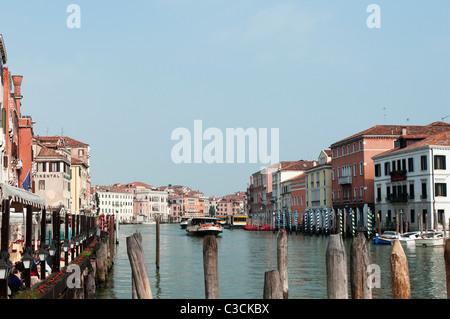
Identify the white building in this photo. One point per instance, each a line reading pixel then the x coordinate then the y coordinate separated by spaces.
pixel 3 60
pixel 117 202
pixel 411 181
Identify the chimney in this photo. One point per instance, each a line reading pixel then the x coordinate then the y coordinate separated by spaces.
pixel 17 80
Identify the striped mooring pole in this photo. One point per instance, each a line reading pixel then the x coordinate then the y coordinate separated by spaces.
pixel 311 215
pixel 290 221
pixel 340 222
pixel 278 219
pixel 284 220
pixel 317 221
pixel 326 221
pixel 305 221
pixel 296 220
pixel 353 222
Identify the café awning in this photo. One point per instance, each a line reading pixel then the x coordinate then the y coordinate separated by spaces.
pixel 21 197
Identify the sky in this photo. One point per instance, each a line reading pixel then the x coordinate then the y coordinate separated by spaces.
pixel 136 71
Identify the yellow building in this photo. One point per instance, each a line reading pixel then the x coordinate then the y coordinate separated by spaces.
pixel 79 190
pixel 318 184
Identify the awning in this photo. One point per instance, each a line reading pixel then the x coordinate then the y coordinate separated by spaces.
pixel 21 197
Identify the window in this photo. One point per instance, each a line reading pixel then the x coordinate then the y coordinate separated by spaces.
pixel 441 189
pixel 387 168
pixel 354 147
pixel 361 193
pixel 360 145
pixel 355 193
pixel 332 154
pixel 423 162
pixel 413 216
pixel 439 162
pixel 42 185
pixel 333 174
pixel 378 194
pixel 337 152
pixel 377 170
pixel 354 169
pixel 361 168
pixel 411 191
pixel 411 164
pixel 424 191
pixel 348 149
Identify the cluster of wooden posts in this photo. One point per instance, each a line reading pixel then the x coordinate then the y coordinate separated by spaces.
pixel 361 274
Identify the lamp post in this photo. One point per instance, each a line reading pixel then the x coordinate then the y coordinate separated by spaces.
pixel 42 253
pixel 5 269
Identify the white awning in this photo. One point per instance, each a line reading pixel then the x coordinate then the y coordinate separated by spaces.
pixel 21 196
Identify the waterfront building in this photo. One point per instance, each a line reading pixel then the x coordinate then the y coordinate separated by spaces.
pixel 281 195
pixel 79 186
pixel 353 168
pixel 259 192
pixel 79 153
pixel 233 204
pixel 411 182
pixel 319 187
pixel 296 188
pixel 52 175
pixel 115 200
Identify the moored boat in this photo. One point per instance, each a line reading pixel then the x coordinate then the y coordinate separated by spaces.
pixel 257 228
pixel 201 226
pixel 408 238
pixel 430 239
pixel 386 238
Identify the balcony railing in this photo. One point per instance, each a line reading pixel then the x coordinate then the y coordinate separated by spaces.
pixel 345 180
pixel 402 198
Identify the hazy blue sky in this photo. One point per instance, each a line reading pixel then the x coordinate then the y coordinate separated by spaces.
pixel 137 70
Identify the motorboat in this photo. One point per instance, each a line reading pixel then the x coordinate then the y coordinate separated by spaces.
pixel 201 226
pixel 257 228
pixel 430 239
pixel 408 238
pixel 386 238
pixel 184 222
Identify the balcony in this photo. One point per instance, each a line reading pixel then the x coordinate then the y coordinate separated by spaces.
pixel 345 180
pixel 402 198
pixel 398 176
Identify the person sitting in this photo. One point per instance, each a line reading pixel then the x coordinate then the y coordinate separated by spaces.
pixel 15 284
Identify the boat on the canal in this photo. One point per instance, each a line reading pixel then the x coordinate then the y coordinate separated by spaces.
pixel 386 238
pixel 257 228
pixel 201 226
pixel 408 238
pixel 184 222
pixel 430 239
pixel 236 221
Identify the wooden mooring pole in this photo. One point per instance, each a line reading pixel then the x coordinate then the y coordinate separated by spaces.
pixel 272 285
pixel 138 268
pixel 157 240
pixel 447 265
pixel 336 265
pixel 210 267
pixel 282 260
pixel 359 261
pixel 401 288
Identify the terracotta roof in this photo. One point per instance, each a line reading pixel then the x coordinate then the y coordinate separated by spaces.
pixel 396 131
pixel 441 138
pixel 47 152
pixel 68 141
pixel 297 165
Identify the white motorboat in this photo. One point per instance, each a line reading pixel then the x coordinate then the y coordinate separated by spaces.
pixel 184 222
pixel 201 226
pixel 408 238
pixel 430 239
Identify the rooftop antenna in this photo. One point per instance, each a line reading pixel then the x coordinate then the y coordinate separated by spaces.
pixel 384 115
pixel 445 118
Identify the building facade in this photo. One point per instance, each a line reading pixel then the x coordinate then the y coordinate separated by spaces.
pixel 411 183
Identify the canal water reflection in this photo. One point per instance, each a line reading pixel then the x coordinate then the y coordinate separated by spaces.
pixel 245 256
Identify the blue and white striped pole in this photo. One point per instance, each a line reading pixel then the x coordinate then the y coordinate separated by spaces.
pixel 326 221
pixel 290 221
pixel 311 221
pixel 278 215
pixel 305 221
pixel 284 220
pixel 296 220
pixel 353 222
